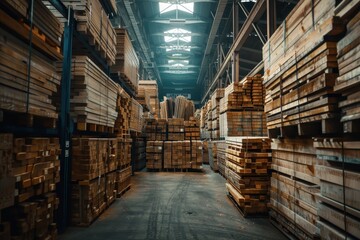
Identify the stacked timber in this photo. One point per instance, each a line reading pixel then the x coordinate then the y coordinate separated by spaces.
pixel 176 129
pixel 126 66
pixel 206 152
pixel 294 187
pixel 154 155
pixel 215 112
pixel 139 153
pixel 196 154
pixel 123 109
pixel 339 174
pixel 208 119
pixel 124 170
pixel 242 109
pixel 248 162
pixel 347 83
pixel 136 117
pixel 7 180
pixel 93 22
pixel 151 88
pixel 212 149
pixel 123 180
pixel 168 154
pixel 221 157
pixel 93 96
pixel 184 108
pixel 156 129
pixel 192 129
pixel 300 71
pixel 161 129
pixel 143 98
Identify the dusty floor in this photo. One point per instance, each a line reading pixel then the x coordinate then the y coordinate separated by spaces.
pixel 175 206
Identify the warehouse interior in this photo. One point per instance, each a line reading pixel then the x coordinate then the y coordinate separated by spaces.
pixel 179 119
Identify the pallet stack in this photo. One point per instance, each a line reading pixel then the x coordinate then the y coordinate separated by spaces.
pixel 136 117
pixel 192 129
pixel 94 164
pixel 248 162
pixel 126 66
pixel 215 112
pixel 94 24
pixel 176 129
pixel 93 96
pixel 242 109
pixel 154 155
pixel 213 155
pixel 124 169
pixel 151 88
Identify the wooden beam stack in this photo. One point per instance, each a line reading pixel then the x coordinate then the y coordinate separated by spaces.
pixel 123 180
pixel 242 109
pixel 184 108
pixel 206 152
pixel 93 22
pixel 151 88
pixel 126 66
pixel 215 112
pixel 156 129
pixel 221 157
pixel 248 162
pixel 176 129
pixel 192 129
pixel 212 146
pixel 139 153
pixel 7 180
pixel 123 108
pixel 143 98
pixel 196 154
pixel 295 186
pixel 154 155
pixel 124 170
pixel 136 119
pixel 93 96
pixel 339 174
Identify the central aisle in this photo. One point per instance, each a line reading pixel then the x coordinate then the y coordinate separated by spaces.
pixel 179 206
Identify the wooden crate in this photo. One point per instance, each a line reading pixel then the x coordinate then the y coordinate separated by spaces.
pixel 154 155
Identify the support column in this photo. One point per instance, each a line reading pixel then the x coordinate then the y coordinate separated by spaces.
pixel 235 67
pixel 270 17
pixel 235 56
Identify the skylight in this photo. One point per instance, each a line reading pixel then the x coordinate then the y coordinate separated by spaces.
pixel 177 34
pixel 178 48
pixel 178 62
pixel 185 7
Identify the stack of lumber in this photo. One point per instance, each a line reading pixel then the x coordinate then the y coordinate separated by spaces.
pixel 212 147
pixel 176 129
pixel 248 162
pixel 184 108
pixel 242 109
pixel 204 122
pixel 93 96
pixel 110 188
pixel 126 66
pixel 300 67
pixel 110 6
pixel 123 152
pixel 7 180
pixel 215 112
pixel 197 114
pixel 177 155
pixel 151 129
pixel 143 98
pixel 123 180
pixel 206 152
pixel 124 170
pixel 87 200
pixel 151 88
pixel 196 154
pixel 136 118
pixel 154 155
pixel 221 157
pixel 339 174
pixel 347 84
pixel 93 157
pixel 93 22
pixel 123 108
pixel 139 153
pixel 168 154
pixel 161 129
pixel 27 99
pixel 46 32
pixel 294 187
pixel 33 219
pixel 167 108
pixel 192 129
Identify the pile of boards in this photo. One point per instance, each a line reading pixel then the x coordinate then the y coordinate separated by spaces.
pixel 138 155
pixel 242 109
pixel 93 22
pixel 221 147
pixel 214 112
pixel 151 87
pixel 136 116
pixel 248 162
pixel 123 108
pixel 156 129
pixel 30 170
pixel 183 108
pixel 143 98
pixel 205 122
pixel 212 150
pixel 126 66
pixel 206 152
pixel 124 169
pixel 192 128
pixel 183 154
pixel 28 97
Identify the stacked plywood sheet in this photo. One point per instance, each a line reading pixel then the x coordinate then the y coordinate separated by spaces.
pixel 176 129
pixel 242 110
pixel 347 84
pixel 221 157
pixel 151 88
pixel 93 96
pixel 127 63
pixel 93 22
pixel 294 187
pixel 136 118
pixel 7 180
pixel 339 207
pixel 248 162
pixel 154 155
pixel 300 70
pixel 212 148
pixel 192 129
pixel 139 153
pixel 123 108
pixel 215 112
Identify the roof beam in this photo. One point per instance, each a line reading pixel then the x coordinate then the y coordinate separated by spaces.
pixel 254 15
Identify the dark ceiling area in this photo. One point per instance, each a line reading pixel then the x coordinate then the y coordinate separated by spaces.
pixel 176 34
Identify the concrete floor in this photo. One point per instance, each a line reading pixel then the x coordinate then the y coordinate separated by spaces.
pixel 175 206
